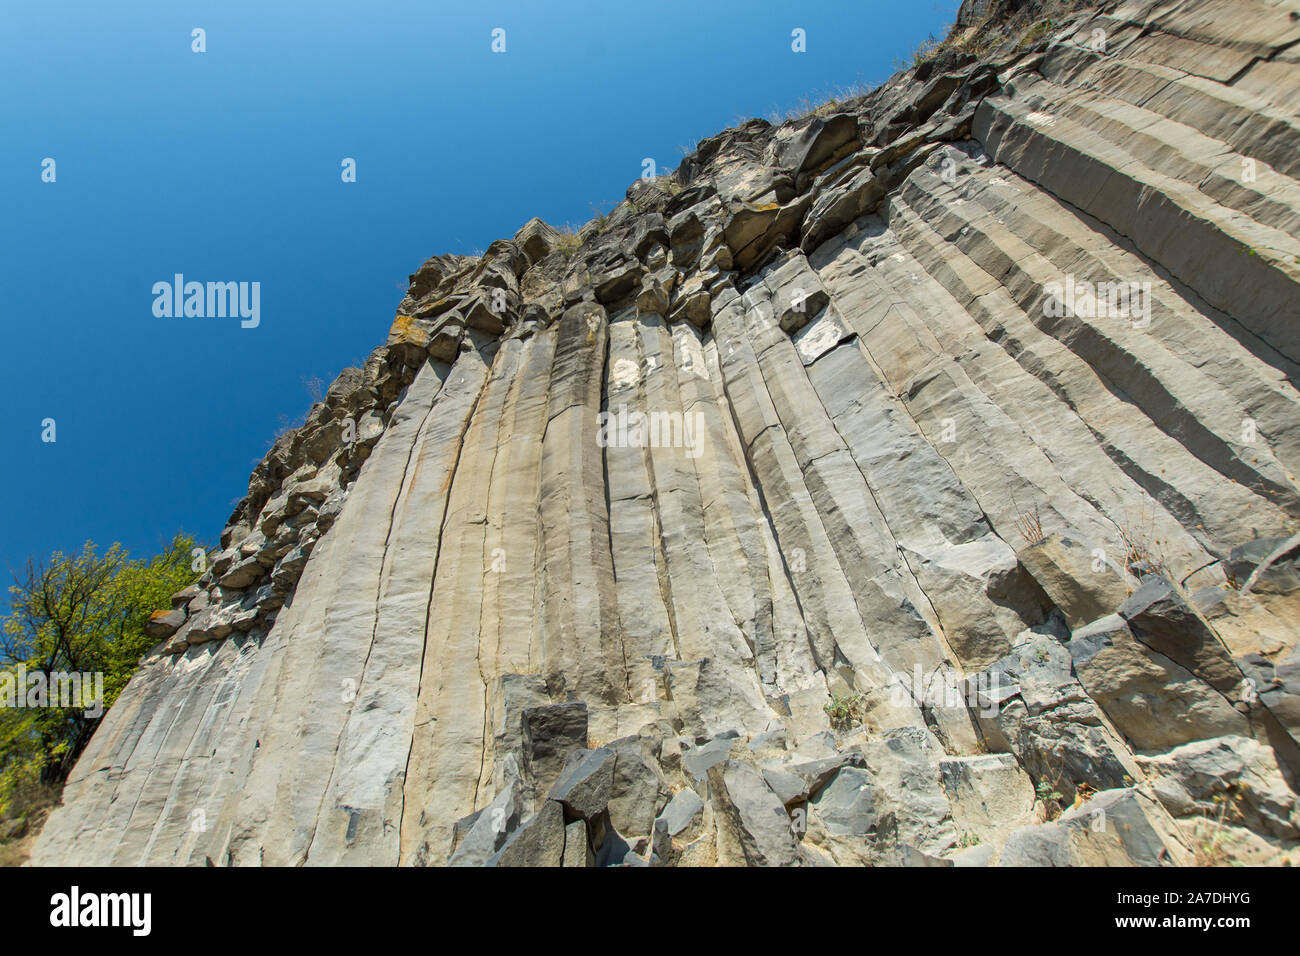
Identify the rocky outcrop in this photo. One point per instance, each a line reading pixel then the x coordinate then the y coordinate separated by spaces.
pixel 909 483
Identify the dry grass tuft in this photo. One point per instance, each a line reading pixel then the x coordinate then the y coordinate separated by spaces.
pixel 1030 525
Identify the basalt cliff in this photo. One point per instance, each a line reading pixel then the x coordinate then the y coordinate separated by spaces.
pixel 909 483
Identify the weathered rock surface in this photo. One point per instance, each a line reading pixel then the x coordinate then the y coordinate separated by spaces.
pixel 909 483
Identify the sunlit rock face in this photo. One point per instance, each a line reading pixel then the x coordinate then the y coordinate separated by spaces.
pixel 909 483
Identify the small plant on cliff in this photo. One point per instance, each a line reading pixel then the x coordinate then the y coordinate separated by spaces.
pixel 826 104
pixel 668 185
pixel 1211 835
pixel 316 388
pixel 928 49
pixel 1030 525
pixel 845 710
pixel 1143 552
pixel 1051 798
pixel 1034 33
pixel 1048 789
pixel 601 215
pixel 569 243
pixel 1005 29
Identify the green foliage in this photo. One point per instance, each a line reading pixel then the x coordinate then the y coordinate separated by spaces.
pixel 568 243
pixel 845 710
pixel 81 614
pixel 1035 33
pixel 1211 838
pixel 927 50
pixel 600 215
pixel 1047 792
pixel 1004 31
pixel 1051 798
pixel 824 104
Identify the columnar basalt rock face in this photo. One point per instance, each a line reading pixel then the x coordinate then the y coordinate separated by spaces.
pixel 911 483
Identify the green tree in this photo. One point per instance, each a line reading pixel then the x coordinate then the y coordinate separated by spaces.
pixel 83 614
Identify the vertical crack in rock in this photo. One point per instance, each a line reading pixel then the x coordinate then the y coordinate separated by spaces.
pixel 609 523
pixel 351 824
pixel 771 534
pixel 428 743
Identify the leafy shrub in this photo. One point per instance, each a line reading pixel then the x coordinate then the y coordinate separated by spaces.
pixel 83 614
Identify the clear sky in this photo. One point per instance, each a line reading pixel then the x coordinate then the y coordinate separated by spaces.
pixel 226 166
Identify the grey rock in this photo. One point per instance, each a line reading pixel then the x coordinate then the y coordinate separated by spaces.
pixel 539 841
pixel 586 783
pixel 1046 844
pixel 639 788
pixel 163 624
pixel 577 850
pixel 680 812
pixel 699 760
pixel 753 825
pixel 550 733
pixel 1196 778
pixel 491 827
pixel 1162 620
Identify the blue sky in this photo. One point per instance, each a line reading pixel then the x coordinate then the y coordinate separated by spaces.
pixel 225 166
